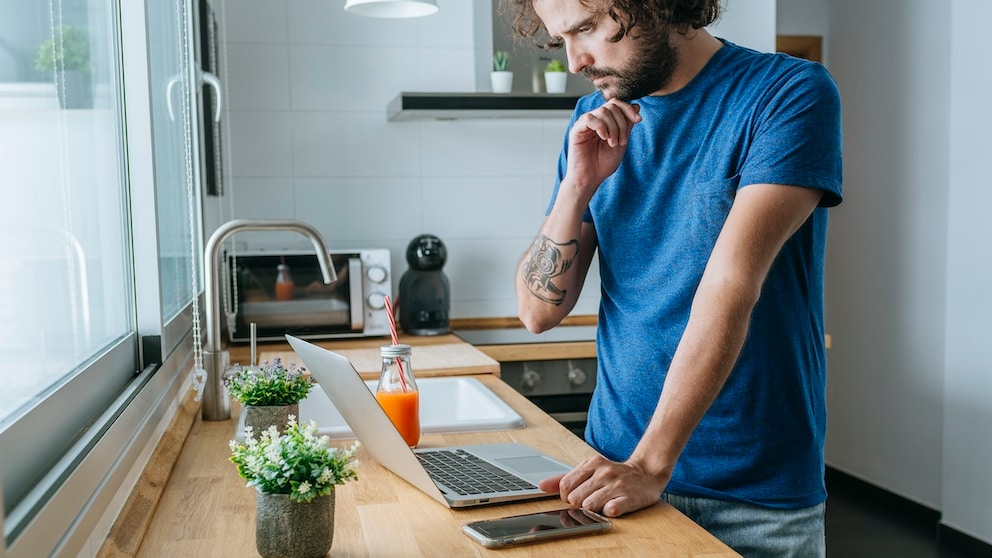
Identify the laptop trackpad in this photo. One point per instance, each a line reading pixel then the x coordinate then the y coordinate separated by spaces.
pixel 531 464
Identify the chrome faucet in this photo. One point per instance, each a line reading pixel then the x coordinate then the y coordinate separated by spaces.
pixel 216 404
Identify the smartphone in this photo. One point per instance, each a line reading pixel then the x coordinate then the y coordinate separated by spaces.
pixel 536 527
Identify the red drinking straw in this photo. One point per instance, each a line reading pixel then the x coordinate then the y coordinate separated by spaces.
pixel 396 339
pixel 392 321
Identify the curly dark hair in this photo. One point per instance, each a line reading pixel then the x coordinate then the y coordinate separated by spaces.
pixel 681 15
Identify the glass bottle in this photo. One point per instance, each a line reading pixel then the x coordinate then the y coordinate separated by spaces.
pixel 397 392
pixel 284 283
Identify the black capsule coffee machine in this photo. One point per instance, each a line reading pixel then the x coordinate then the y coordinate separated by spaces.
pixel 425 294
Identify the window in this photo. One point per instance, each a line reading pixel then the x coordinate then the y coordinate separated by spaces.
pixel 97 251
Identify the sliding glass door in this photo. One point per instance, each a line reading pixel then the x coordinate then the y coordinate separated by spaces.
pixel 98 252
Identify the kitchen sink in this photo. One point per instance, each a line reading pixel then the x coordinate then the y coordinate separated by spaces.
pixel 447 404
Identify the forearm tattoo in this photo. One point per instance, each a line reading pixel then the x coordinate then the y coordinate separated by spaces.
pixel 548 260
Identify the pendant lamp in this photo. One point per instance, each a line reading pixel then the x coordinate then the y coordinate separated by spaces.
pixel 391 8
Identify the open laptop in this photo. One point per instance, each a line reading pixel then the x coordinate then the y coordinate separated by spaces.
pixel 518 467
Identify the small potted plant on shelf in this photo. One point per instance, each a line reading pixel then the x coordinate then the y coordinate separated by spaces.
pixel 67 56
pixel 501 78
pixel 294 475
pixel 555 76
pixel 269 393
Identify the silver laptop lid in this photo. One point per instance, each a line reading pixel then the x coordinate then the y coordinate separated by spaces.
pixel 344 386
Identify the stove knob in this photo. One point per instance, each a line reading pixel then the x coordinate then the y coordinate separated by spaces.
pixel 376 301
pixel 576 376
pixel 530 378
pixel 376 274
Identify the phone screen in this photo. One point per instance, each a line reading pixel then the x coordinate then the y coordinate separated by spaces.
pixel 536 527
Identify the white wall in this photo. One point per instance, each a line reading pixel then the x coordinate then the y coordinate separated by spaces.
pixel 749 23
pixel 910 389
pixel 805 17
pixel 967 448
pixel 888 245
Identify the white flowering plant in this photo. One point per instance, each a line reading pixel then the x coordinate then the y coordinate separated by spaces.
pixel 270 384
pixel 298 462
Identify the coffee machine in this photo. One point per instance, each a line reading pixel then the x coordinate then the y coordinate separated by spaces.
pixel 425 294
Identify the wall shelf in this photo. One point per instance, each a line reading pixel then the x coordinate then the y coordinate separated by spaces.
pixel 455 106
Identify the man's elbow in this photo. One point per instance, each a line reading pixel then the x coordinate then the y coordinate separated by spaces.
pixel 536 322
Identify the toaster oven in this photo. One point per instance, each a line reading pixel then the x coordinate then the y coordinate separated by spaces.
pixel 282 292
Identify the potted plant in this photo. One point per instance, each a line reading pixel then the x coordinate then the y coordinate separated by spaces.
pixel 294 475
pixel 555 76
pixel 501 78
pixel 270 393
pixel 68 57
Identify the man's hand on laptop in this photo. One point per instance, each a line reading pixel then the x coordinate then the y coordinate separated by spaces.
pixel 607 487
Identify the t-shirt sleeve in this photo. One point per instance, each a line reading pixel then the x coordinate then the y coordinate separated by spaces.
pixel 798 140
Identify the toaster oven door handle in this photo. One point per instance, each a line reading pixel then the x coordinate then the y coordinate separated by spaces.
pixel 356 278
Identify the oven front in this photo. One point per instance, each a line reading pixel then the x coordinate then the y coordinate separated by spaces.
pixel 562 387
pixel 282 292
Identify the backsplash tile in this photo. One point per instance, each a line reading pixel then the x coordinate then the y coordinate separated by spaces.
pixel 483 207
pixel 256 21
pixel 310 141
pixel 264 198
pixel 356 209
pixel 353 144
pixel 325 22
pixel 248 60
pixel 485 147
pixel 261 143
pixel 324 77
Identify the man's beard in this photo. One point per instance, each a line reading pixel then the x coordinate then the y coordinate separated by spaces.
pixel 650 69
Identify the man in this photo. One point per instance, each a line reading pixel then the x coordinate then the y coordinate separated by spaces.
pixel 701 172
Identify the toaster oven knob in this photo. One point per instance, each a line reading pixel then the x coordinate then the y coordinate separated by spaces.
pixel 376 301
pixel 376 274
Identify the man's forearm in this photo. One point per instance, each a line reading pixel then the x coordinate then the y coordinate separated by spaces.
pixel 551 272
pixel 541 267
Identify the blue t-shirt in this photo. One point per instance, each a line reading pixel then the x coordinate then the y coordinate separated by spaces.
pixel 747 118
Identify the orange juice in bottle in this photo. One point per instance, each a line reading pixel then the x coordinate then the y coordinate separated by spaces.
pixel 284 283
pixel 397 392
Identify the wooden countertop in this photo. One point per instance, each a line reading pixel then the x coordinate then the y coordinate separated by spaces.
pixel 206 510
pixel 540 351
pixel 441 355
pixel 190 500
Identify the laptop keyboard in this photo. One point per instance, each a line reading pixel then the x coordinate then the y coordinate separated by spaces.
pixel 465 473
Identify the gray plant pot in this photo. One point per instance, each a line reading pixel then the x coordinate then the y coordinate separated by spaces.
pixel 75 89
pixel 261 417
pixel 288 529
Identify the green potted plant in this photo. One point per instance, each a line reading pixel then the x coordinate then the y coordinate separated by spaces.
pixel 68 57
pixel 269 393
pixel 555 76
pixel 294 475
pixel 501 77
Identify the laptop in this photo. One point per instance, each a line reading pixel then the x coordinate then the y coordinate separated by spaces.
pixel 512 470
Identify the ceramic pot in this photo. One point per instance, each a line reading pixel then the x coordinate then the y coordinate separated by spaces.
pixel 502 82
pixel 261 417
pixel 288 529
pixel 555 82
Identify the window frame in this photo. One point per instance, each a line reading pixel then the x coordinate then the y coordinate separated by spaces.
pixel 137 383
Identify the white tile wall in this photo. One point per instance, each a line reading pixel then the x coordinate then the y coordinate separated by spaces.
pixel 246 61
pixel 309 85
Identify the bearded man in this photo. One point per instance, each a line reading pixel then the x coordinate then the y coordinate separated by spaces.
pixel 699 173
